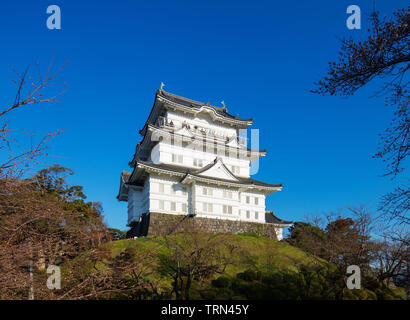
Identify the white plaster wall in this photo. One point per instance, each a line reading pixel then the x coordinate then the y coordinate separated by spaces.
pixel 155 155
pixel 167 196
pixel 252 207
pixel 138 202
pixel 218 200
pixel 163 153
pixel 279 233
pixel 205 122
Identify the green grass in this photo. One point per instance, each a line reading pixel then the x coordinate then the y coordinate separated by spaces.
pixel 251 252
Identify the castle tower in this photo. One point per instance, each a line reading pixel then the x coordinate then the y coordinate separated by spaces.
pixel 193 161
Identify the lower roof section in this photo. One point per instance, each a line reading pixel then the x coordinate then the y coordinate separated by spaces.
pixel 187 175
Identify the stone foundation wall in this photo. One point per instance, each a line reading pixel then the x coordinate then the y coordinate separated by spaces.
pixel 161 224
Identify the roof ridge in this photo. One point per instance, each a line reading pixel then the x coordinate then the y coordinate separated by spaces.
pixel 164 94
pixel 184 98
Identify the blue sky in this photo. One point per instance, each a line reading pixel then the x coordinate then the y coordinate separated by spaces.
pixel 260 57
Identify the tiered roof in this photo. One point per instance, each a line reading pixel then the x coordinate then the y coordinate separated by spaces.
pixel 166 100
pixel 185 174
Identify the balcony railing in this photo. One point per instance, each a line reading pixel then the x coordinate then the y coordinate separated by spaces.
pixel 163 122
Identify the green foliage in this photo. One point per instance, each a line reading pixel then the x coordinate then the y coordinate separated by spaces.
pixel 221 282
pixel 249 234
pixel 117 234
pixel 260 269
pixel 310 283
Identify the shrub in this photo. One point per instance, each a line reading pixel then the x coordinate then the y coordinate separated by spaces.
pixel 221 282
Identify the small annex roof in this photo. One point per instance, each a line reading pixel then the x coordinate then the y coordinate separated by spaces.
pixel 124 179
pixel 271 218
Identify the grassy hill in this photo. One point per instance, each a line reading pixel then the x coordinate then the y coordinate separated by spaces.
pixel 204 266
pixel 251 251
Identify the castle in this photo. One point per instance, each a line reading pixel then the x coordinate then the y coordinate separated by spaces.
pixel 193 161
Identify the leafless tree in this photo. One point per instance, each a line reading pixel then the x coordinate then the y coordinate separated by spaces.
pixel 32 89
pixel 195 256
pixel 384 55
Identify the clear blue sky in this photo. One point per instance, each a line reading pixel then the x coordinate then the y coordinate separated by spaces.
pixel 260 57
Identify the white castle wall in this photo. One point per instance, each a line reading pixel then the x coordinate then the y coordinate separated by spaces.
pixel 214 199
pixel 204 122
pixel 163 151
pixel 138 201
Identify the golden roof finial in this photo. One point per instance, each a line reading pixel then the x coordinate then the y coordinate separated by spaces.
pixel 224 107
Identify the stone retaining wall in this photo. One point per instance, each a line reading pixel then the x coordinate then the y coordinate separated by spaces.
pixel 161 224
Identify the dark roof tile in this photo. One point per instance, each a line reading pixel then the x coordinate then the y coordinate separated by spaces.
pixel 271 218
pixel 196 172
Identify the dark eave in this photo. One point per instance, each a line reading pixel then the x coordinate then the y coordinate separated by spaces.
pixel 124 179
pixel 271 218
pixel 184 171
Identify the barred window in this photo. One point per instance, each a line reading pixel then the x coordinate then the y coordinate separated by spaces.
pixel 227 194
pixel 227 209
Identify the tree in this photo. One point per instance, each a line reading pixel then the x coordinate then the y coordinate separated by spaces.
pixel 391 259
pixel 342 241
pixel 385 56
pixel 39 226
pixel 31 90
pixel 194 257
pixel 308 237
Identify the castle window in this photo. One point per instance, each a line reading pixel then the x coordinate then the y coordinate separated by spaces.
pixel 248 214
pixel 161 187
pixel 256 200
pixel 207 207
pixel 177 158
pixel 227 209
pixel 161 204
pixel 248 199
pixel 173 206
pixel 256 214
pixel 198 162
pixel 207 191
pixel 235 169
pixel 227 194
